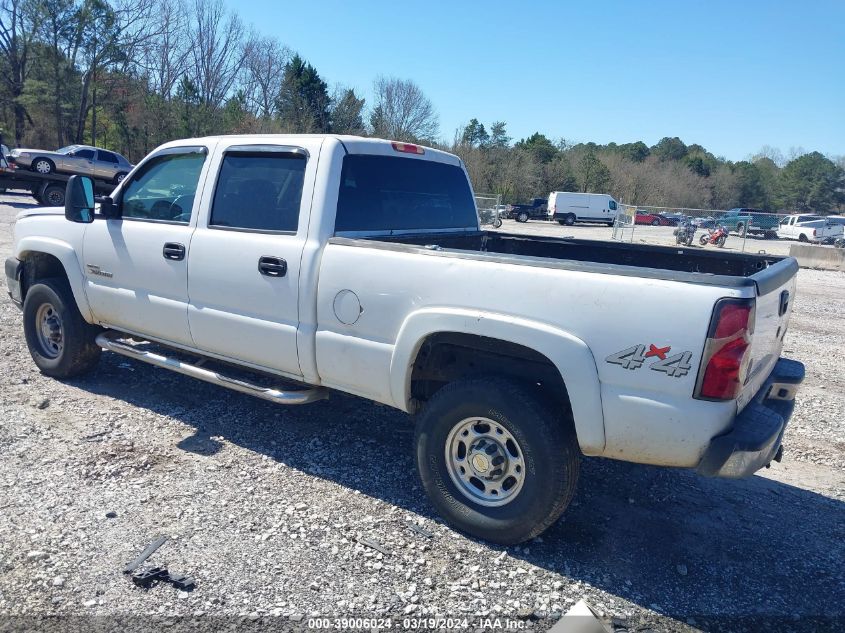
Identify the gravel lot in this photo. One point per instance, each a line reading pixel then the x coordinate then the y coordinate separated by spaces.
pixel 266 507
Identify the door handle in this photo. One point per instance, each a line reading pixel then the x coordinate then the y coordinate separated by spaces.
pixel 272 266
pixel 174 251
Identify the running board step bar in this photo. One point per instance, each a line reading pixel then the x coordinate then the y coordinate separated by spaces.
pixel 110 341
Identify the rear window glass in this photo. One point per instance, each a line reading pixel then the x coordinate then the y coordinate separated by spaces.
pixel 386 193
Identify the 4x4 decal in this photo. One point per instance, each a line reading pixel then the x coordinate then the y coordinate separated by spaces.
pixel 635 357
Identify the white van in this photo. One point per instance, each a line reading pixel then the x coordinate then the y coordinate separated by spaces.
pixel 568 207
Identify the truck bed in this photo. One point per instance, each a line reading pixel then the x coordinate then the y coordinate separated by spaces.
pixel 691 265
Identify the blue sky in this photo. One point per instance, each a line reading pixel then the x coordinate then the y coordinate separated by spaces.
pixel 732 76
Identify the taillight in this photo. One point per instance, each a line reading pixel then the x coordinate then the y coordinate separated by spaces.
pixel 724 364
pixel 408 148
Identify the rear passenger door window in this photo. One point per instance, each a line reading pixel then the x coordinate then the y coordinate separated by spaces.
pixel 258 191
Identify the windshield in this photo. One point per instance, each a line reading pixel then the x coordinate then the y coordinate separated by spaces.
pixel 67 150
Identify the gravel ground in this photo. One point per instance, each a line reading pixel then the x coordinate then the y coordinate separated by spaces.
pixel 280 513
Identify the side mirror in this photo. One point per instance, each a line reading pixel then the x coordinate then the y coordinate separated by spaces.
pixel 79 199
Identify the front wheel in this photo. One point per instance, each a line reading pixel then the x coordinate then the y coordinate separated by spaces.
pixel 119 178
pixel 569 219
pixel 721 241
pixel 497 223
pixel 495 461
pixel 522 217
pixel 655 222
pixel 59 340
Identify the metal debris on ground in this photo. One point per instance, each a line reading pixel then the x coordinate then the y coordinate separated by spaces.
pixel 420 530
pixel 373 545
pixel 149 576
pixel 149 550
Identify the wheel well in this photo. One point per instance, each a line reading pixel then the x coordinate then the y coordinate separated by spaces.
pixel 448 356
pixel 39 266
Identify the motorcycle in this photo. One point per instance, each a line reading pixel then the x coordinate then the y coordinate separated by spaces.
pixel 685 233
pixel 717 236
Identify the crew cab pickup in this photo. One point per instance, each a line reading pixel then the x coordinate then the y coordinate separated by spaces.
pixel 289 267
pixel 522 212
pixel 751 221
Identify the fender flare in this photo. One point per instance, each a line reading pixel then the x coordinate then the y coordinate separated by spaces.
pixel 70 262
pixel 570 355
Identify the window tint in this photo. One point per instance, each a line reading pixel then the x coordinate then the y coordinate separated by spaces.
pixel 259 191
pixel 106 156
pixel 84 153
pixel 380 193
pixel 613 205
pixel 164 188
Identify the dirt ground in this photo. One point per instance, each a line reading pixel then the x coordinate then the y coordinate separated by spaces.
pixel 275 512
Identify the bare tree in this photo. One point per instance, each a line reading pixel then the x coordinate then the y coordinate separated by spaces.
pixel 164 58
pixel 264 69
pixel 402 112
pixel 217 51
pixel 19 23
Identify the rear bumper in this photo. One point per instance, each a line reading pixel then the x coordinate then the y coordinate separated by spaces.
pixel 14 271
pixel 756 436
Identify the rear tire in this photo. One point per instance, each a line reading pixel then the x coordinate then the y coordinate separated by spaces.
pixel 703 240
pixel 54 196
pixel 803 238
pixel 497 223
pixel 119 178
pixel 59 340
pixel 655 222
pixel 522 216
pixel 511 429
pixel 43 166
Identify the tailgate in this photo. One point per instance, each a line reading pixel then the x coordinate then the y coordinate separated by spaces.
pixel 775 294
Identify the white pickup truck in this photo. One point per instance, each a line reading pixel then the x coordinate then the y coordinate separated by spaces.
pixel 291 266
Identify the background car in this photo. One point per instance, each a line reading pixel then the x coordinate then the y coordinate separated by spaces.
pixel 84 160
pixel 644 217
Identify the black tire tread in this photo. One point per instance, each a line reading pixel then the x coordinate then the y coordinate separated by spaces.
pixel 559 435
pixel 81 354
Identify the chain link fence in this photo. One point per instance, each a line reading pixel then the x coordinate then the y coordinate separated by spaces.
pixel 490 209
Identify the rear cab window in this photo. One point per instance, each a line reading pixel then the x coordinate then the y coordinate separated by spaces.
pixel 387 195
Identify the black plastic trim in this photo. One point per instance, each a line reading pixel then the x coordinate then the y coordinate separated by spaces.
pixel 14 273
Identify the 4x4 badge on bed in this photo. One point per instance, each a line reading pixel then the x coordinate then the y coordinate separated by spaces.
pixel 634 357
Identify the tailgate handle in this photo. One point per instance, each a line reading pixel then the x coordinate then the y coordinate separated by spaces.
pixel 784 303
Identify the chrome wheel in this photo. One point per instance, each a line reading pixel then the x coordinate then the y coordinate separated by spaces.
pixel 485 461
pixel 43 167
pixel 49 329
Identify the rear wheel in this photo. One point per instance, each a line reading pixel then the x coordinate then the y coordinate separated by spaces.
pixel 522 216
pixel 43 166
pixel 119 178
pixel 497 223
pixel 655 222
pixel 54 196
pixel 721 241
pixel 59 340
pixel 703 240
pixel 740 229
pixel 495 461
pixel 803 238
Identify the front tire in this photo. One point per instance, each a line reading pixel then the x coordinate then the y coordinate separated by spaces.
pixel 119 178
pixel 495 461
pixel 59 340
pixel 522 216
pixel 569 219
pixel 655 222
pixel 497 223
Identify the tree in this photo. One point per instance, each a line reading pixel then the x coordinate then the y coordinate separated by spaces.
pixel 540 146
pixel 750 191
pixel 498 135
pixel 56 29
pixel 402 112
pixel 19 24
pixel 217 54
pixel 811 183
pixel 635 152
pixel 669 149
pixel 265 61
pixel 347 112
pixel 303 103
pixel 593 175
pixel 474 134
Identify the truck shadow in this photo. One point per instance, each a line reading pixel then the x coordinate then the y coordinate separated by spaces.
pixel 665 539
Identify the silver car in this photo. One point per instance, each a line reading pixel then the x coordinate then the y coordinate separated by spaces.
pixel 84 160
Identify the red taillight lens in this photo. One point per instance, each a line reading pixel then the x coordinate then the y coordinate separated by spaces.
pixel 722 376
pixel 408 148
pixel 724 363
